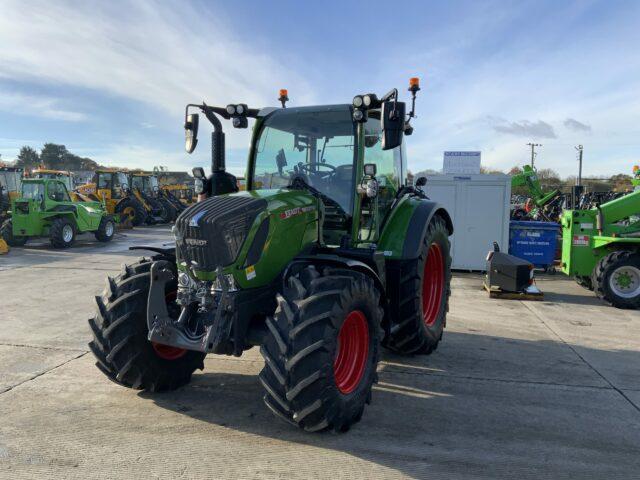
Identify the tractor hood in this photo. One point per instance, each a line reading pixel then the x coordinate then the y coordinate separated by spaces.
pixel 252 231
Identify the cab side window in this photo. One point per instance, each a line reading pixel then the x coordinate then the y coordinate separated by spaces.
pixel 57 192
pixel 388 163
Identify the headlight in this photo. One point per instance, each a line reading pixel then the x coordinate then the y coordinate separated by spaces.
pixel 239 109
pixel 198 186
pixel 367 100
pixel 357 101
pixel 231 109
pixel 358 115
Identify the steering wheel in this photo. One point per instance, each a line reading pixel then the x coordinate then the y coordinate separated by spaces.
pixel 307 167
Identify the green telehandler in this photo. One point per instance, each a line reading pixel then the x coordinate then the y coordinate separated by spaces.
pixel 601 249
pixel 327 255
pixel 44 208
pixel 529 178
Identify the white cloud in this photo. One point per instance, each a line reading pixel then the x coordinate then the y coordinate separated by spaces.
pixel 163 54
pixel 36 105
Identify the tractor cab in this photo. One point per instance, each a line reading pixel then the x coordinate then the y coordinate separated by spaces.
pixel 326 150
pixel 111 185
pixel 144 182
pixel 10 184
pixel 64 176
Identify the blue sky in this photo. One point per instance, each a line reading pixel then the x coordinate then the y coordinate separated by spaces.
pixel 110 79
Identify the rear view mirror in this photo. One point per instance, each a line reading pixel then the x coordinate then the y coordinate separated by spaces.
pixel 198 172
pixel 392 123
pixel 421 181
pixel 191 132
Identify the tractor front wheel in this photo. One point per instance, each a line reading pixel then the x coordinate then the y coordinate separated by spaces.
pixel 616 279
pixel 131 208
pixel 6 233
pixel 419 315
pixel 322 349
pixel 106 229
pixel 62 233
pixel 120 344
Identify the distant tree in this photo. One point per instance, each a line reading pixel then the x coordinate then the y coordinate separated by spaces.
pixel 515 170
pixel 27 158
pixel 621 182
pixel 57 157
pixel 549 178
pixel 53 156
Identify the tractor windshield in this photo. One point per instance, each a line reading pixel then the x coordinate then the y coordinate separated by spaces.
pixel 317 146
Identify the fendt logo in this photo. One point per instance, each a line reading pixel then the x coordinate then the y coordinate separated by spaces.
pixel 295 211
pixel 195 242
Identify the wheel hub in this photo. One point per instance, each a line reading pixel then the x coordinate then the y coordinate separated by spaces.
pixel 352 352
pixel 67 233
pixel 109 229
pixel 625 281
pixel 432 284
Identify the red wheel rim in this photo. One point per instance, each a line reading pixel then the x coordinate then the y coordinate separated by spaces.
pixel 432 284
pixel 167 352
pixel 353 349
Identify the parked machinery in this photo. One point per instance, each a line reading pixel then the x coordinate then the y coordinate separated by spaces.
pixel 544 206
pixel 111 186
pixel 601 249
pixel 44 208
pixel 145 188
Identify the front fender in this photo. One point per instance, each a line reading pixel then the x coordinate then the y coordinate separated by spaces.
pixel 406 227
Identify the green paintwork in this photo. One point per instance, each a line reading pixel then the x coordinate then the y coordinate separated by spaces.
pixel 395 230
pixel 529 178
pixel 85 215
pixel 293 225
pixel 583 246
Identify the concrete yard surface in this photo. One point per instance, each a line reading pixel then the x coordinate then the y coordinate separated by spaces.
pixel 516 389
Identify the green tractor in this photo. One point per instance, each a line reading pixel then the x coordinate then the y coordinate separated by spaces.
pixel 601 249
pixel 326 256
pixel 44 208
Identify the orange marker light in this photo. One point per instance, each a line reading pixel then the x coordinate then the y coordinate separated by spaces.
pixel 284 92
pixel 414 82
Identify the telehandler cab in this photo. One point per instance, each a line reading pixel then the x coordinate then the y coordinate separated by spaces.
pixel 327 255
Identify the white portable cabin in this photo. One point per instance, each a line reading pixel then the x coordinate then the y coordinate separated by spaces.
pixel 479 206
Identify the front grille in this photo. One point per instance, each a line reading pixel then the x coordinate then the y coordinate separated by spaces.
pixel 211 233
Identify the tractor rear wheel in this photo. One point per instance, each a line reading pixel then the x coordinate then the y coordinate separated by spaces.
pixel 616 279
pixel 425 286
pixel 322 349
pixel 106 229
pixel 62 233
pixel 123 352
pixel 6 232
